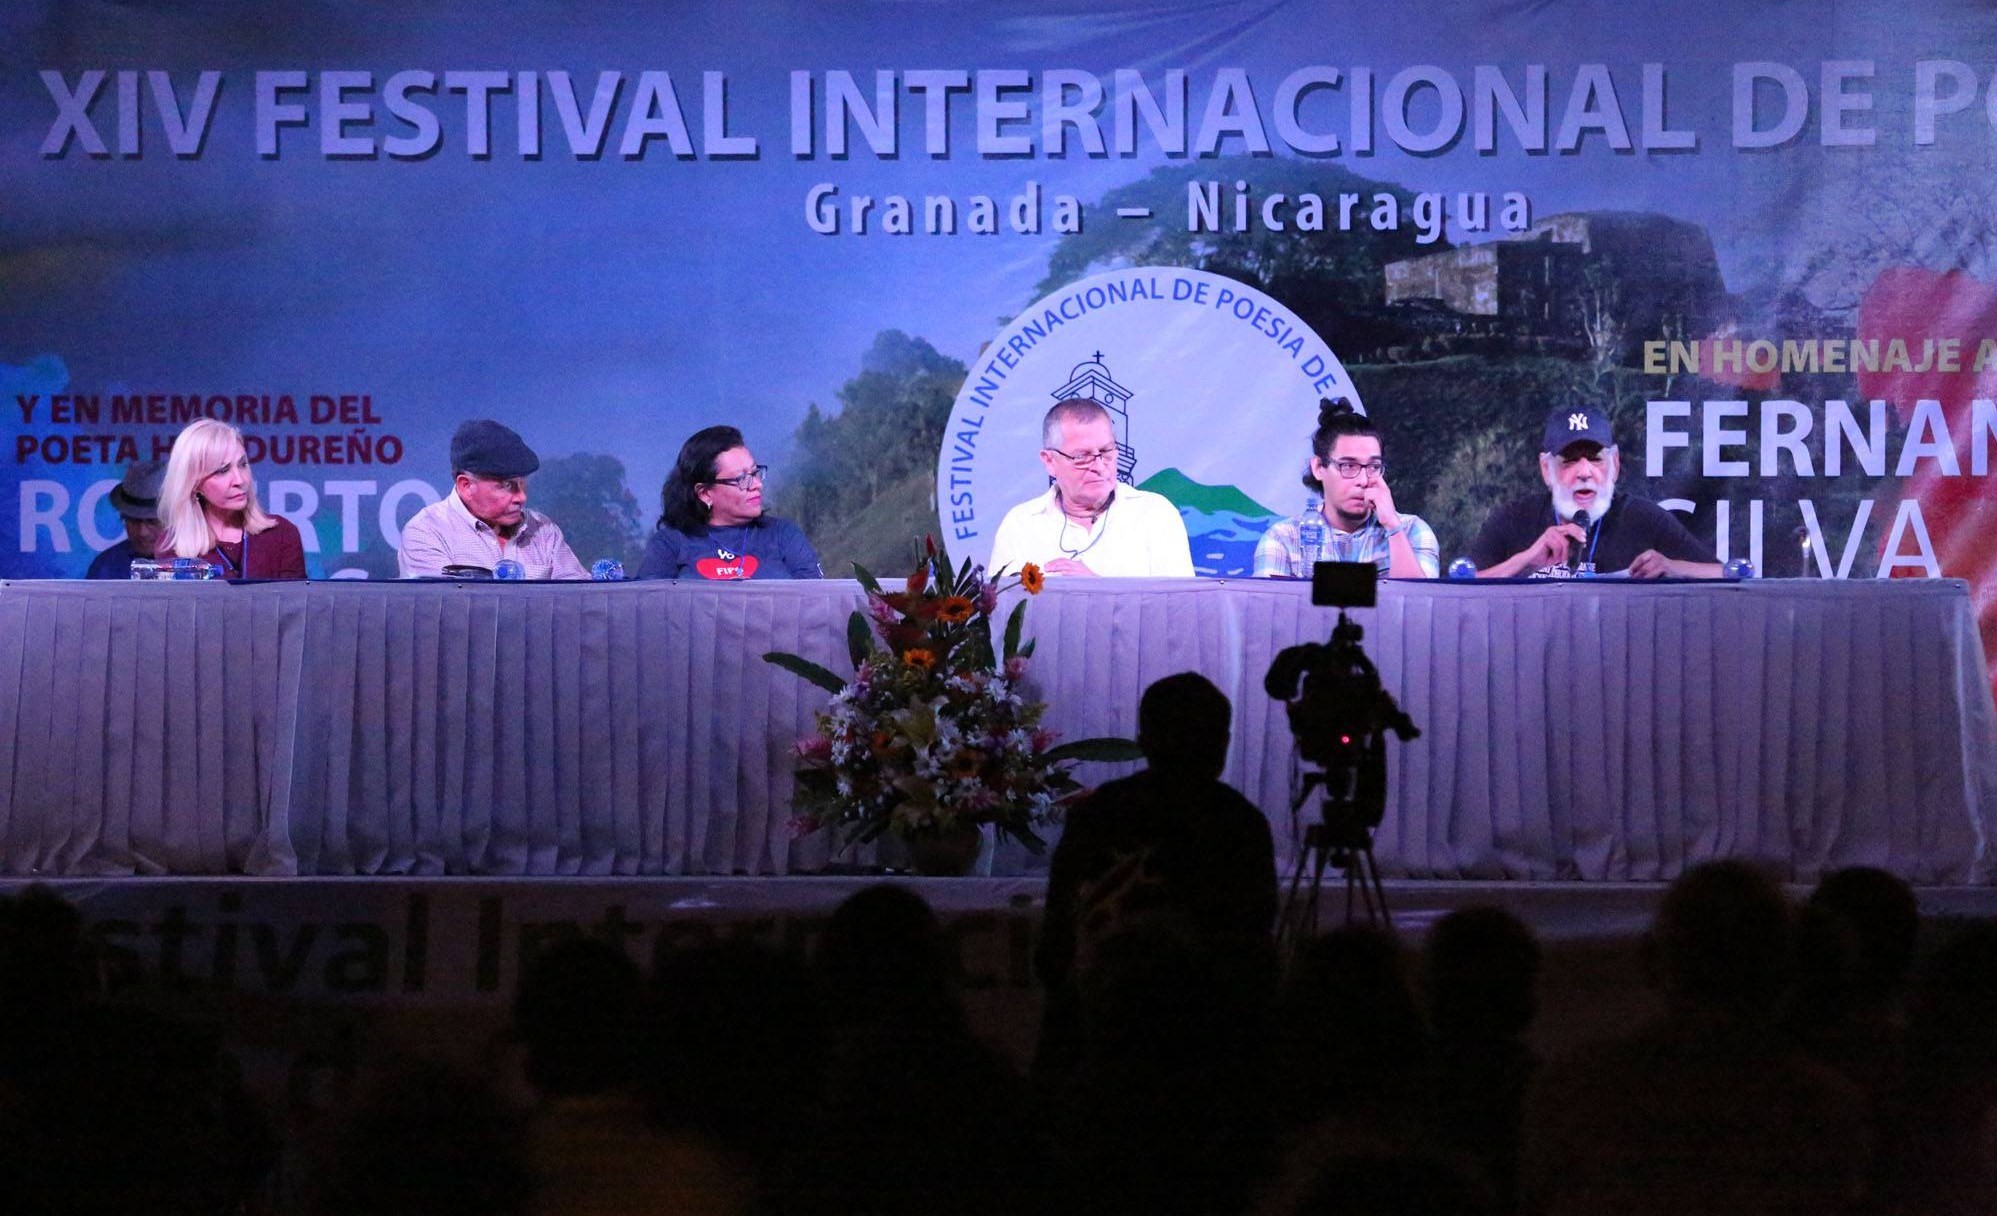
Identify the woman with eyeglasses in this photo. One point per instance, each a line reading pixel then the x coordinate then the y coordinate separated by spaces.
pixel 711 521
pixel 208 509
pixel 1358 521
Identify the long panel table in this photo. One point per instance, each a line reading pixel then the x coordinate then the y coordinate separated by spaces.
pixel 1587 731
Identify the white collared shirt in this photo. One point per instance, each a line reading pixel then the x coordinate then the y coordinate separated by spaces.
pixel 1141 535
pixel 447 534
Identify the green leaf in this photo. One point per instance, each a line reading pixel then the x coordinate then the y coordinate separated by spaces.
pixel 1108 749
pixel 1015 622
pixel 859 638
pixel 1026 651
pixel 798 665
pixel 868 581
pixel 977 646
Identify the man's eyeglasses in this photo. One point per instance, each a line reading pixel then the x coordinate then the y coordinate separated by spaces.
pixel 1083 460
pixel 1351 469
pixel 743 482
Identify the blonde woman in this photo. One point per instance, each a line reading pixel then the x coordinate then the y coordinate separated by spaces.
pixel 208 506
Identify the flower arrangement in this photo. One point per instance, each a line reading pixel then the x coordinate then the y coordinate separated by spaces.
pixel 933 734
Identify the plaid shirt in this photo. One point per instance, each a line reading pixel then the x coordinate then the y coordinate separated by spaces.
pixel 1281 551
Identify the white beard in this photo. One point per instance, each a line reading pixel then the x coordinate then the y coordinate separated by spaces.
pixel 1564 505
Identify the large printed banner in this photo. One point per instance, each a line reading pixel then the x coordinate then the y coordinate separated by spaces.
pixel 883 237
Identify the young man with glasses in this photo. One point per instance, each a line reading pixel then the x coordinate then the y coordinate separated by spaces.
pixel 1359 521
pixel 1581 525
pixel 1086 523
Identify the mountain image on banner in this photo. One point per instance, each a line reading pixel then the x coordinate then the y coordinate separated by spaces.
pixel 1223 524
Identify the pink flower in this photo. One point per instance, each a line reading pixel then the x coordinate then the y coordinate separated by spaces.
pixel 1015 668
pixel 882 611
pixel 1043 738
pixel 988 598
pixel 812 747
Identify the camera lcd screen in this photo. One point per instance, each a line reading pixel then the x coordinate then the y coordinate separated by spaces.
pixel 1345 584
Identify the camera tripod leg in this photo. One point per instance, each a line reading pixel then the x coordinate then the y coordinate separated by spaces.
pixel 1298 922
pixel 1363 874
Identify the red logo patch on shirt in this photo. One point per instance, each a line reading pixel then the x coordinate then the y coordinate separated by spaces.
pixel 730 568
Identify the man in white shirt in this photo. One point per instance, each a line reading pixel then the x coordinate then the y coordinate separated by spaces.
pixel 1087 524
pixel 484 519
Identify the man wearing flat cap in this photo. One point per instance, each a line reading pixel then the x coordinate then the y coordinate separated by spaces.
pixel 1580 525
pixel 136 499
pixel 484 520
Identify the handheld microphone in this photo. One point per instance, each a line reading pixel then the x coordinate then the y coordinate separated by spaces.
pixel 1580 520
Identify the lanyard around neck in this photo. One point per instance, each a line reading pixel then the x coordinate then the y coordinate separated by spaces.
pixel 240 571
pixel 1102 520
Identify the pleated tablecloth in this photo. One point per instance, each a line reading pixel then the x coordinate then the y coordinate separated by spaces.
pixel 1590 731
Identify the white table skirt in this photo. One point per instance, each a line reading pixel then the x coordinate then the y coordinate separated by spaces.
pixel 1571 731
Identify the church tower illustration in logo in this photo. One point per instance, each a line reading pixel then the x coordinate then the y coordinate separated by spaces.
pixel 1093 381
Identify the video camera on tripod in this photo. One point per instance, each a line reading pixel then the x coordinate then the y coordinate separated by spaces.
pixel 1340 716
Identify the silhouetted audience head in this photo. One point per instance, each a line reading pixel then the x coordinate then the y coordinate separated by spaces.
pixel 884 955
pixel 1885 922
pixel 1184 724
pixel 45 966
pixel 426 1139
pixel 578 1012
pixel 1483 974
pixel 1723 942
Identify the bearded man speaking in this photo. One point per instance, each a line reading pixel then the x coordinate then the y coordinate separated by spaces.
pixel 1583 526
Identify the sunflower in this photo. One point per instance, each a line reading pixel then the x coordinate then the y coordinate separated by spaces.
pixel 966 763
pixel 918 657
pixel 955 609
pixel 1031 578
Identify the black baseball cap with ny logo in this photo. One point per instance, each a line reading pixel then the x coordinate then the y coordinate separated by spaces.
pixel 1573 424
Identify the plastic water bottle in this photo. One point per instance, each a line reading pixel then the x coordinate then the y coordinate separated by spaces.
pixel 145 568
pixel 1310 533
pixel 607 570
pixel 1462 568
pixel 1740 567
pixel 509 570
pixel 187 569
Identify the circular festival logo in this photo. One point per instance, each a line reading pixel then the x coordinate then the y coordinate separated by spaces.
pixel 1213 387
